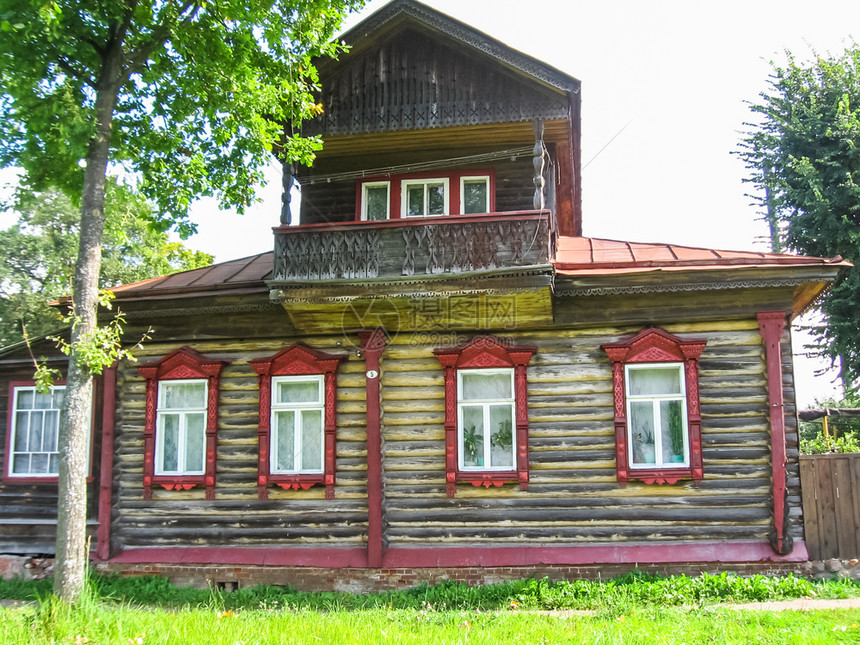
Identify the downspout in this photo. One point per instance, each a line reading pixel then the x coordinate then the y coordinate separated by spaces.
pixel 771 326
pixel 372 346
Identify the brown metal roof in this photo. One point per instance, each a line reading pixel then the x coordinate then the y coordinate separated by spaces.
pixel 244 274
pixel 579 256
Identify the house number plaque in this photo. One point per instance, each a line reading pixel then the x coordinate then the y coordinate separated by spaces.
pixel 372 374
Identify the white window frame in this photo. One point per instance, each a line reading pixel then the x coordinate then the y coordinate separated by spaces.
pixel 298 436
pixel 13 430
pixel 183 413
pixel 375 184
pixel 655 399
pixel 474 179
pixel 404 201
pixel 485 404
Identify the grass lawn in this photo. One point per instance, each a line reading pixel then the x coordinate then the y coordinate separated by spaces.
pixel 635 608
pixel 107 624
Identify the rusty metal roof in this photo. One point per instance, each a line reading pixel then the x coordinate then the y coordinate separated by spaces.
pixel 245 274
pixel 579 256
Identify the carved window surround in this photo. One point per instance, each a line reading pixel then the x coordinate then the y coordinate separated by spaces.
pixel 486 352
pixel 297 360
pixel 657 346
pixel 454 186
pixel 184 363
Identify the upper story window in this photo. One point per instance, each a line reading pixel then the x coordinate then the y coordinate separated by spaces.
pixel 658 437
pixel 34 426
pixel 486 413
pixel 180 430
pixel 425 195
pixel 298 419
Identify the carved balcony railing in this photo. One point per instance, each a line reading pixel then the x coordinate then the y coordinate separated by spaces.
pixel 412 247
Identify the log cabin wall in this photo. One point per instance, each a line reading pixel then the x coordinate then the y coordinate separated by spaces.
pixel 573 497
pixel 237 517
pixel 28 511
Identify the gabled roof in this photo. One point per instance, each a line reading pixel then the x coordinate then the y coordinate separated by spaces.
pixel 395 13
pixel 580 256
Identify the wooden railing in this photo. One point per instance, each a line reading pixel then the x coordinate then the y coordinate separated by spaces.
pixel 412 247
pixel 831 505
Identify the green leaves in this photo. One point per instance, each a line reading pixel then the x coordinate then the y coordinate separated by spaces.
pixel 804 155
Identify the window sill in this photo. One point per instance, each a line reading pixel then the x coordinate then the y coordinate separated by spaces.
pixel 487 478
pixel 299 482
pixel 179 482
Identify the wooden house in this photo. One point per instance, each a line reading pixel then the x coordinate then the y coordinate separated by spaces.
pixel 434 374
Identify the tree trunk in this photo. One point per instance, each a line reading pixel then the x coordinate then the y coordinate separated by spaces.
pixel 71 555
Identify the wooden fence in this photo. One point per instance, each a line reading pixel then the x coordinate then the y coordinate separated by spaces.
pixel 831 505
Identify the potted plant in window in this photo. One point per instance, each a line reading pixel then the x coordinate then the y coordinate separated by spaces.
pixel 643 446
pixel 470 447
pixel 503 437
pixel 676 433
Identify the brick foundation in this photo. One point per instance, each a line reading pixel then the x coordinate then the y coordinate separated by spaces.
pixel 363 580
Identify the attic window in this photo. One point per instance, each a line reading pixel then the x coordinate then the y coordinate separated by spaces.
pixel 658 435
pixel 414 196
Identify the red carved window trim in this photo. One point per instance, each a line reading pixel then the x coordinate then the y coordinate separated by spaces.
pixel 657 346
pixel 184 363
pixel 486 352
pixel 297 360
pixel 454 188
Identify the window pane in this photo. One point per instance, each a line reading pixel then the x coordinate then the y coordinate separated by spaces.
pixel 52 427
pixel 195 440
pixel 170 443
pixel 672 431
pixel 43 401
pixel 482 386
pixel 501 435
pixel 21 465
pixel 376 202
pixel 183 395
pixel 298 392
pixel 475 196
pixel 54 464
pixel 26 399
pixel 22 431
pixel 655 381
pixel 35 441
pixel 39 464
pixel 642 432
pixel 473 435
pixel 285 441
pixel 58 395
pixel 415 200
pixel 436 198
pixel 312 440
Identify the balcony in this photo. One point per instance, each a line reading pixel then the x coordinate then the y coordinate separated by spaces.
pixel 437 247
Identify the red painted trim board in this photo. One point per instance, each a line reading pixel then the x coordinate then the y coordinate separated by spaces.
pixel 523 556
pixel 106 469
pixel 372 346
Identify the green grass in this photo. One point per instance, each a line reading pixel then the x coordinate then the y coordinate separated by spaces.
pixel 631 590
pixel 635 608
pixel 111 624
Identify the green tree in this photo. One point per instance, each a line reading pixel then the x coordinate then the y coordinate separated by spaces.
pixel 191 96
pixel 804 157
pixel 39 255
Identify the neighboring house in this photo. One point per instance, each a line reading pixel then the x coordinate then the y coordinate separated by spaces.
pixel 435 375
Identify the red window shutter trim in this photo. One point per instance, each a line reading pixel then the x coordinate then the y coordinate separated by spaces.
pixel 184 363
pixel 486 352
pixel 297 359
pixel 657 346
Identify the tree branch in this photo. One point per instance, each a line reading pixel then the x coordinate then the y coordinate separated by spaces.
pixel 160 35
pixel 67 67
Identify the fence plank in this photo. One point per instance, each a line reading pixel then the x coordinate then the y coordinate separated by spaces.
pixel 811 519
pixel 843 508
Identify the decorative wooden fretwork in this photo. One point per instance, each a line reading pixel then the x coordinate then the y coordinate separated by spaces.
pixel 654 345
pixel 184 363
pixel 295 360
pixel 486 352
pixel 443 245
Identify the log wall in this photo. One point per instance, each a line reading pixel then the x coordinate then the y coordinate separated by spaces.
pixel 573 497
